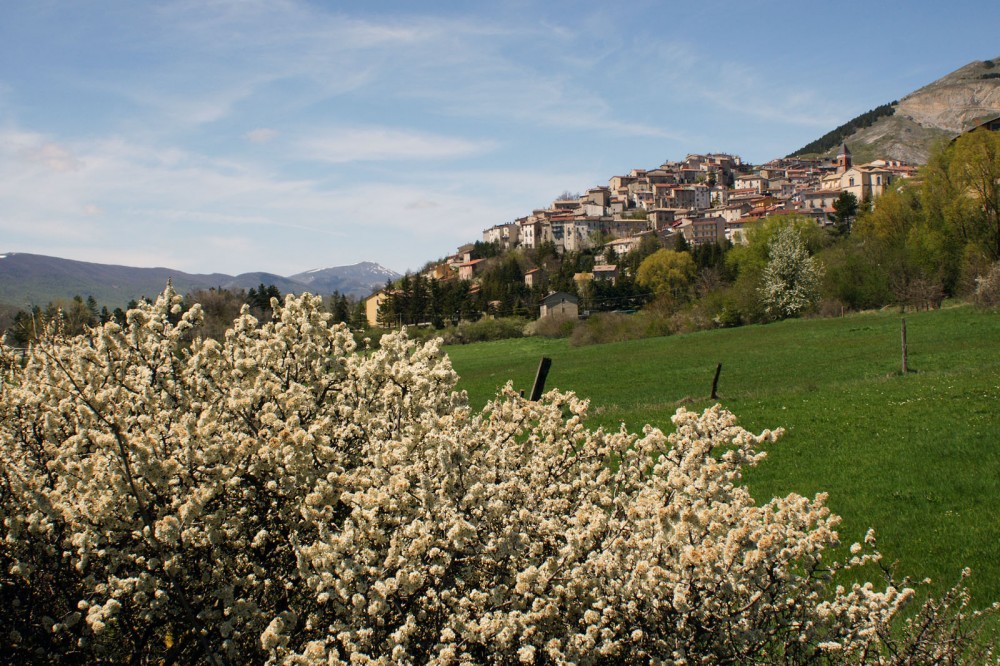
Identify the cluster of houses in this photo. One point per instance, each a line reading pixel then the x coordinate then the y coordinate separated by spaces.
pixel 705 198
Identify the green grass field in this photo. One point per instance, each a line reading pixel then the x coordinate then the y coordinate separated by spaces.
pixel 917 457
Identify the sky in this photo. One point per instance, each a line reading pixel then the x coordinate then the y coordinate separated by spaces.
pixel 289 135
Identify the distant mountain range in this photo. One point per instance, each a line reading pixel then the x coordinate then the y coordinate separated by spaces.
pixel 907 129
pixel 32 279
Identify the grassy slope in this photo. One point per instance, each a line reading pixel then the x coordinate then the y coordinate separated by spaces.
pixel 915 457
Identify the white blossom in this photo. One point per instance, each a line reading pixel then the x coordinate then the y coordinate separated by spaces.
pixel 284 496
pixel 791 278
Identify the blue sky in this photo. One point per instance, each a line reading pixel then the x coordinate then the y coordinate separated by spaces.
pixel 287 135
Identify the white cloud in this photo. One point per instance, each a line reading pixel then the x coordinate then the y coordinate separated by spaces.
pixel 261 135
pixel 374 143
pixel 745 88
pixel 52 156
pixel 422 204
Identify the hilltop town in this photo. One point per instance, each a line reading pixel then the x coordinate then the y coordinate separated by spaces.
pixel 707 198
pixel 702 200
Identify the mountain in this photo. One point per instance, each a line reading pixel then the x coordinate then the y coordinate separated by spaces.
pixel 357 279
pixel 938 111
pixel 32 279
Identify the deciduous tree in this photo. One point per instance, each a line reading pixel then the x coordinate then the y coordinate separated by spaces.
pixel 791 279
pixel 668 274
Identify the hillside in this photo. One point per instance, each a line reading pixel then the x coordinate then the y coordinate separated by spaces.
pixel 939 110
pixel 31 279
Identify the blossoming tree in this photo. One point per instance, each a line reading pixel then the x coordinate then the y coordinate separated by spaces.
pixel 283 497
pixel 791 279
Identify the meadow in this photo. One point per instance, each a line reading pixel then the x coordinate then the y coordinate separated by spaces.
pixel 915 456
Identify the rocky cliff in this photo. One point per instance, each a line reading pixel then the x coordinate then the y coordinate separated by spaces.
pixel 939 110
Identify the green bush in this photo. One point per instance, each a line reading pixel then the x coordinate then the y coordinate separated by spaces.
pixel 483 330
pixel 465 332
pixel 553 326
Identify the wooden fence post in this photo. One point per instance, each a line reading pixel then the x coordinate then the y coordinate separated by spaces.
pixel 715 382
pixel 543 372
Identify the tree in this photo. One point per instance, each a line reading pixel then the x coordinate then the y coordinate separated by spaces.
pixel 845 209
pixel 974 168
pixel 791 278
pixel 340 308
pixel 260 299
pixel 668 274
pixel 909 235
pixel 219 307
pixel 282 496
pixel 680 243
pixel 70 317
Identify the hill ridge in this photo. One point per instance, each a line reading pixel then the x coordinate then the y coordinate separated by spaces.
pixel 28 279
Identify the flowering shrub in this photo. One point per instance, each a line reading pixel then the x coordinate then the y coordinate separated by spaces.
pixel 987 294
pixel 283 497
pixel 790 284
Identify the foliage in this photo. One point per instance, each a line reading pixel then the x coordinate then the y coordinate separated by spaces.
pixel 484 250
pixel 341 308
pixel 845 209
pixel 910 237
pixel 853 278
pixel 987 293
pixel 554 326
pixel 635 214
pixel 72 317
pixel 791 279
pixel 607 327
pixel 974 168
pixel 668 274
pixel 260 299
pixel 219 307
pixel 354 508
pixel 486 329
pixel 710 255
pixel 416 299
pixel 502 291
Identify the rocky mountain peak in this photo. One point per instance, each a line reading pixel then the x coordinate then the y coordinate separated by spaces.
pixel 954 102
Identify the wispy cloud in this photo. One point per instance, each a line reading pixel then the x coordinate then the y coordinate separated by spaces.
pixel 52 156
pixel 748 88
pixel 261 135
pixel 380 143
pixel 135 198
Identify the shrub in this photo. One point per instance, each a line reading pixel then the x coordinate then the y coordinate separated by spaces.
pixel 484 330
pixel 603 327
pixel 987 294
pixel 553 326
pixel 283 496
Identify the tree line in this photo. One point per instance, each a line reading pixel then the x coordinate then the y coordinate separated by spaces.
pixel 219 305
